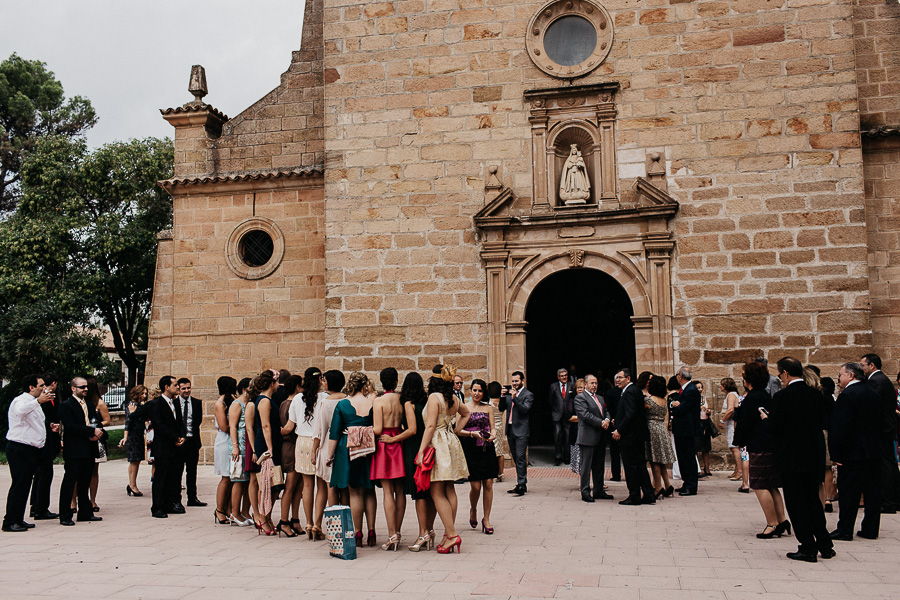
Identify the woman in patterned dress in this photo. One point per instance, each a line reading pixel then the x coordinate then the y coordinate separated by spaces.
pixel 660 448
pixel 449 460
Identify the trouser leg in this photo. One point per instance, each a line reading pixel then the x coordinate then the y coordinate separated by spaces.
pixel 192 457
pixel 615 460
pixel 519 448
pixel 176 473
pixel 872 489
pixel 796 501
pixel 160 487
pixel 84 471
pixel 685 451
pixel 598 466
pixel 849 489
pixel 22 460
pixel 43 479
pixel 587 459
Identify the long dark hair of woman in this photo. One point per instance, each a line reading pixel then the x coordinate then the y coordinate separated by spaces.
pixel 413 390
pixel 227 389
pixel 93 392
pixel 494 389
pixel 260 383
pixel 312 384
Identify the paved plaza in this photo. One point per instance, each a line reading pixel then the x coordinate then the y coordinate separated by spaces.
pixel 548 544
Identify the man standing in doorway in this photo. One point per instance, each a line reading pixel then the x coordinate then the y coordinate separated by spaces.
pixel 517 401
pixel 593 432
pixel 189 453
pixel 561 395
pixel 632 434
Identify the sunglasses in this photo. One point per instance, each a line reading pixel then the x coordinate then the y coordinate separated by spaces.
pixel 80 387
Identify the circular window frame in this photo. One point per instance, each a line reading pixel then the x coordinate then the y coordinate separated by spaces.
pixel 233 248
pixel 554 10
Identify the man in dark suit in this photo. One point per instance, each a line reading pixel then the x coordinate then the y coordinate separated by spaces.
pixel 561 395
pixel 856 450
pixel 685 413
pixel 43 478
pixel 517 402
pixel 797 417
pixel 890 476
pixel 458 391
pixel 167 437
pixel 593 432
pixel 188 454
pixel 632 434
pixel 79 451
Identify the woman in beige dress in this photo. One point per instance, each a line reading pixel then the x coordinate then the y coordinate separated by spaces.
pixel 449 460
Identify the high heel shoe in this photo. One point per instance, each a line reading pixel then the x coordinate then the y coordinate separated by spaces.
pixel 423 542
pixel 659 493
pixel 238 522
pixel 456 544
pixel 669 491
pixel 782 528
pixel 133 492
pixel 370 539
pixel 393 543
pixel 298 530
pixel 317 534
pixel 485 529
pixel 216 518
pixel 473 518
pixel 290 530
pixel 309 532
pixel 358 537
pixel 767 536
pixel 263 528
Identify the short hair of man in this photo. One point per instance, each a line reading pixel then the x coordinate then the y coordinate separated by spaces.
pixel 183 380
pixel 791 366
pixel 389 378
pixel 625 371
pixel 520 374
pixel 762 360
pixel 165 381
pixel 561 370
pixel 756 374
pixel 871 358
pixel 334 380
pixel 685 373
pixel 50 378
pixel 855 369
pixel 30 381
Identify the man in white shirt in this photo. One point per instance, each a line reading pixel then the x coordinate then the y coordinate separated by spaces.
pixel 24 440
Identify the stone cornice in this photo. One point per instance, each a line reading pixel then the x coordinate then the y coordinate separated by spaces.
pixel 243 180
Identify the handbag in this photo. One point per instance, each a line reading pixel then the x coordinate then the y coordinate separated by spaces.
pixel 360 441
pixel 339 531
pixel 711 428
pixel 277 475
pixel 422 475
pixel 237 468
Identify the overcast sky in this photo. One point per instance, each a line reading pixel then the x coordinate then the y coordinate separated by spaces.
pixel 133 57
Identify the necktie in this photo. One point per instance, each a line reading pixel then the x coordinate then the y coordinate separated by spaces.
pixel 563 390
pixel 84 410
pixel 597 402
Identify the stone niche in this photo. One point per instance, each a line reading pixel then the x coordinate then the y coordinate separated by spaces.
pixel 564 120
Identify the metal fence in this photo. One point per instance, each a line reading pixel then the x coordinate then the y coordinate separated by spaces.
pixel 115 398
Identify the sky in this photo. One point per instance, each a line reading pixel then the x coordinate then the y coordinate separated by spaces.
pixel 131 58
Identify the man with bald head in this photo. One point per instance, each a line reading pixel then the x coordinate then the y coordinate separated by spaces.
pixel 79 451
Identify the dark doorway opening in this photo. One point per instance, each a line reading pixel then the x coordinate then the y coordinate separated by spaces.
pixel 579 319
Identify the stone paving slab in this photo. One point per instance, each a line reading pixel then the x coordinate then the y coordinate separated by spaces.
pixel 548 544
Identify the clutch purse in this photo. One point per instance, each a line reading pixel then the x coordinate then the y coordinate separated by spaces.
pixel 237 468
pixel 277 475
pixel 360 441
pixel 422 475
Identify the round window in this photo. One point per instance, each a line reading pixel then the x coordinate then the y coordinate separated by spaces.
pixel 570 40
pixel 256 248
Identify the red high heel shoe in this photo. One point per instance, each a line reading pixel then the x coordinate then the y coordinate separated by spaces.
pixel 456 545
pixel 359 539
pixel 263 529
pixel 485 529
pixel 370 539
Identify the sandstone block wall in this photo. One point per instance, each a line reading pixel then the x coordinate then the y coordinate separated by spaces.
pixel 753 103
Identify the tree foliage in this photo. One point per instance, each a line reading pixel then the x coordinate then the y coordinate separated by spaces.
pixel 32 106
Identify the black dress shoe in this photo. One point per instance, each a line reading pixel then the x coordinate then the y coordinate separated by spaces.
pixel 26 525
pixel 603 496
pixel 629 502
pixel 828 553
pixel 586 498
pixel 837 535
pixel 177 509
pixel 557 462
pixel 648 500
pixel 67 521
pixel 45 516
pixel 195 502
pixel 158 514
pixel 804 556
pixel 14 527
pixel 687 493
pixel 90 518
pixel 866 535
pixel 520 490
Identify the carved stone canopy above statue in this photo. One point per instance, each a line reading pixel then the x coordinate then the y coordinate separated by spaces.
pixel 573 145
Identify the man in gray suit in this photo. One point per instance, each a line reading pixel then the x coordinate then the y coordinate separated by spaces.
pixel 517 401
pixel 593 433
pixel 561 395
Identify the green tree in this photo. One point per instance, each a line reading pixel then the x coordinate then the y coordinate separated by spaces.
pixel 107 211
pixel 32 106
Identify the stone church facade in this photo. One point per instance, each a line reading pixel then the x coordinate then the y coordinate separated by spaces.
pixel 400 198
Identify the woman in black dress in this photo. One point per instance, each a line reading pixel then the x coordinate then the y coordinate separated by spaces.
pixel 133 439
pixel 754 432
pixel 477 439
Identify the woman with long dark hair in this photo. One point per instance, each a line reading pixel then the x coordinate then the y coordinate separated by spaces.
pixel 289 524
pixel 222 452
pixel 259 430
pixel 449 460
pixel 239 412
pixel 95 398
pixel 302 421
pixel 755 433
pixel 133 440
pixel 477 439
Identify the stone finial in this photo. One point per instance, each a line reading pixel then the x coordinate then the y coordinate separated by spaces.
pixel 197 85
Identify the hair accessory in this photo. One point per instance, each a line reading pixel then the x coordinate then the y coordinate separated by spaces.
pixel 448 372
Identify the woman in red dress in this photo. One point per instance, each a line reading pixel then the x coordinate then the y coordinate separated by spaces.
pixel 387 463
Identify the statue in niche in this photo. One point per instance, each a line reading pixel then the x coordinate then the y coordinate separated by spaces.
pixel 574 186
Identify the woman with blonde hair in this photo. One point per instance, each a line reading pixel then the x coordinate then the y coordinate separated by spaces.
pixel 449 459
pixel 133 438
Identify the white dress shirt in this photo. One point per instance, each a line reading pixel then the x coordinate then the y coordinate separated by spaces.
pixel 26 421
pixel 188 415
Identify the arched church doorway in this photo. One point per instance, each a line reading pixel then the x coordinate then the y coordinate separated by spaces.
pixel 579 319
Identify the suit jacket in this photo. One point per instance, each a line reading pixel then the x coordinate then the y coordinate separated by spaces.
pixel 76 435
pixel 196 420
pixel 797 416
pixel 855 425
pixel 520 406
pixel 686 416
pixel 631 418
pixel 51 415
pixel 590 420
pixel 887 395
pixel 167 428
pixel 558 404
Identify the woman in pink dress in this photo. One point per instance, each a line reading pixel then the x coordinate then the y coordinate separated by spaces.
pixel 387 463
